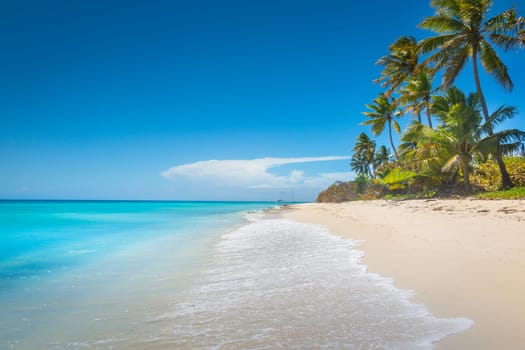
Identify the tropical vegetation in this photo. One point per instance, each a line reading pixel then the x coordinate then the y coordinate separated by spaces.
pixel 465 31
pixel 454 143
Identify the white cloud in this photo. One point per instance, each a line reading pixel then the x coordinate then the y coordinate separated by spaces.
pixel 254 173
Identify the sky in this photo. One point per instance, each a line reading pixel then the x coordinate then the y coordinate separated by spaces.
pixel 196 99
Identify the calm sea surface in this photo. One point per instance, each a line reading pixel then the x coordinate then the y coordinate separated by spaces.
pixel 170 275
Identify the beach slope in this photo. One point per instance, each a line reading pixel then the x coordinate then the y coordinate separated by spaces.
pixel 463 258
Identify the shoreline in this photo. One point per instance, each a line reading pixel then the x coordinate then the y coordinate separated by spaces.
pixel 462 258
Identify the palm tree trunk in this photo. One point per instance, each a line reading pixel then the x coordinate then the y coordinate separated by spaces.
pixel 427 109
pixel 391 140
pixel 466 179
pixel 506 182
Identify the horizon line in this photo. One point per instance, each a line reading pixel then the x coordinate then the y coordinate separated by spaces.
pixel 140 200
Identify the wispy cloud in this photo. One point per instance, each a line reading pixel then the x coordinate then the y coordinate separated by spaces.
pixel 254 173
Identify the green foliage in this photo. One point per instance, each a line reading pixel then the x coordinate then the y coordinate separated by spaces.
pixel 460 137
pixel 399 64
pixel 486 175
pixel 360 188
pixel 383 112
pixel 464 30
pixel 397 179
pixel 339 192
pixel 416 95
pixel 406 196
pixel 434 159
pixel 465 33
pixel 361 183
pixel 373 191
pixel 513 193
pixel 363 156
pixel 366 161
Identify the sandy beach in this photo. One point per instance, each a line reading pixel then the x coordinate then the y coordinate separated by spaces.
pixel 463 258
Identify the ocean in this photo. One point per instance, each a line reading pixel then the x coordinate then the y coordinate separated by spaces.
pixel 193 275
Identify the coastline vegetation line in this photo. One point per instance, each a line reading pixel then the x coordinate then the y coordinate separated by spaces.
pixel 462 148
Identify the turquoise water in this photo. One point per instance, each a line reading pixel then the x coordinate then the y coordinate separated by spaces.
pixel 193 275
pixel 81 261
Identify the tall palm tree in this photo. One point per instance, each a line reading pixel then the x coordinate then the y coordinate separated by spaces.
pixel 362 161
pixel 383 111
pixel 464 31
pixel 401 63
pixel 417 94
pixel 463 134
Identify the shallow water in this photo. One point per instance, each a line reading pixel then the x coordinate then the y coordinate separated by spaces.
pixel 93 274
pixel 281 284
pixel 186 275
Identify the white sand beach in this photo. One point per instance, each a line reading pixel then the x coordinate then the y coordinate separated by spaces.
pixel 463 258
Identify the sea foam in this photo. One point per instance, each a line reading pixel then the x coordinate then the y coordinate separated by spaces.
pixel 280 284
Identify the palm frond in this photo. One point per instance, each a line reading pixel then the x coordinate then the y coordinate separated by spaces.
pixel 378 125
pixel 501 114
pixel 473 12
pixel 451 164
pixel 486 146
pixel 433 43
pixel 396 126
pixel 493 64
pixel 510 136
pixel 448 7
pixel 399 64
pixel 511 148
pixel 505 22
pixel 506 42
pixel 454 65
pixel 473 101
pixel 442 24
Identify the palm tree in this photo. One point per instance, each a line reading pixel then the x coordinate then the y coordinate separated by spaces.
pixel 465 32
pixel 381 157
pixel 463 134
pixel 399 64
pixel 417 94
pixel 363 158
pixel 383 111
pixel 423 157
pixel 360 165
pixel 381 162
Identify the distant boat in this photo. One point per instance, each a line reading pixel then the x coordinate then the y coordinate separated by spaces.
pixel 281 200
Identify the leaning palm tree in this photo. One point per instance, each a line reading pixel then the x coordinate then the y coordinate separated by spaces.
pixel 417 94
pixel 463 134
pixel 464 31
pixel 383 111
pixel 401 63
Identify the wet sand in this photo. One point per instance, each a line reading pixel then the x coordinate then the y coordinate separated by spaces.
pixel 463 258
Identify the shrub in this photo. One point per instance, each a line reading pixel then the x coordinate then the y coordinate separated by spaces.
pixel 339 192
pixel 486 175
pixel 345 191
pixel 398 179
pixel 374 190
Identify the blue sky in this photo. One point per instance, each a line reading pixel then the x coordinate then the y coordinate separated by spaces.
pixel 99 100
